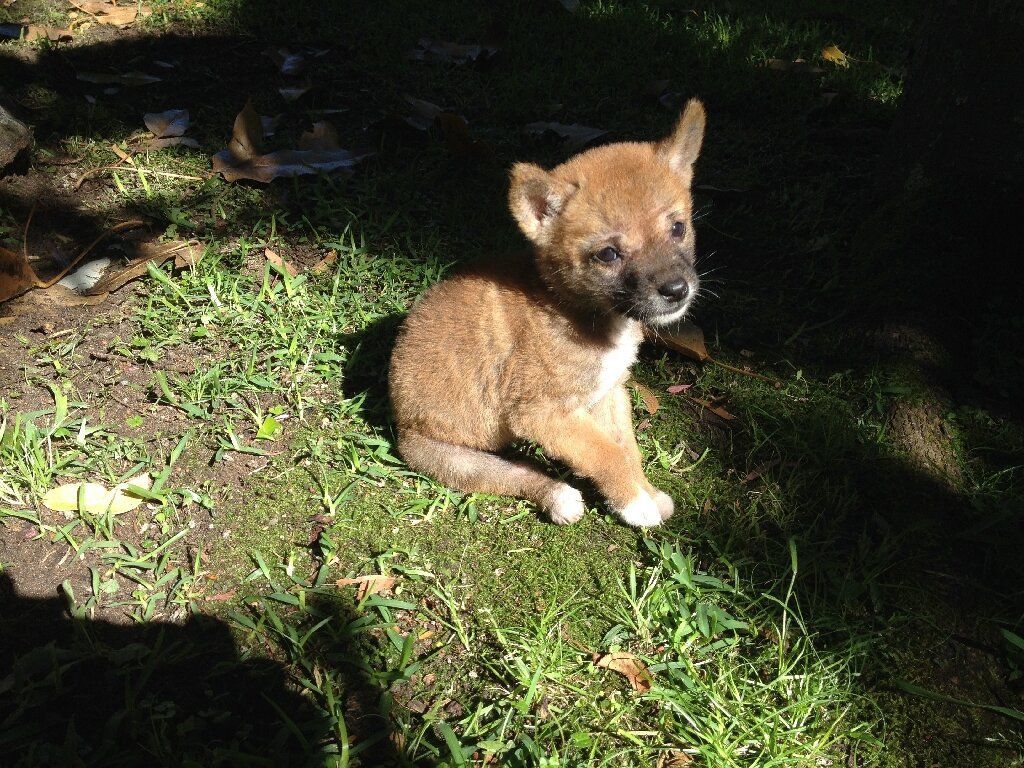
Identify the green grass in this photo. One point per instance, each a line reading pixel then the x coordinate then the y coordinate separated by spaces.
pixel 798 584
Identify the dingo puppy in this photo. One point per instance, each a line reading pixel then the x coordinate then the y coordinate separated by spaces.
pixel 539 349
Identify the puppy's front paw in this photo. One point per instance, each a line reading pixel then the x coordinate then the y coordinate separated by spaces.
pixel 641 512
pixel 565 505
pixel 664 503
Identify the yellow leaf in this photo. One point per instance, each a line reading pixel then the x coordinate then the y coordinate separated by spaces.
pixel 95 498
pixel 836 56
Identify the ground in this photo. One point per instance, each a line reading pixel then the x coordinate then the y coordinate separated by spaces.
pixel 839 586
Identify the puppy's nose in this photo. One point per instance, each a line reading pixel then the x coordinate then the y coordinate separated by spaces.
pixel 675 290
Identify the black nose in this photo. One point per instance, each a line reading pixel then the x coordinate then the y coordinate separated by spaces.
pixel 675 290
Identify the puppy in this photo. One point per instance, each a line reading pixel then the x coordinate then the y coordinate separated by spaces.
pixel 539 348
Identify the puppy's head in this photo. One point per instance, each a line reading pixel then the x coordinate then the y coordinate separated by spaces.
pixel 613 228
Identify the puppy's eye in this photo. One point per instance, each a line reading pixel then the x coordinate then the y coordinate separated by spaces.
pixel 678 229
pixel 608 255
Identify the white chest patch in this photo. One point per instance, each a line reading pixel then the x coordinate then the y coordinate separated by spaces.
pixel 617 360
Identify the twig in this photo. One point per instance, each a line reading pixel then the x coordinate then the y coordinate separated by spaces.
pixel 87 250
pixel 734 369
pixel 24 235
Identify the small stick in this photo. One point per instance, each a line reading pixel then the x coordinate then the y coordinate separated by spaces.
pixel 24 236
pixel 87 250
pixel 734 369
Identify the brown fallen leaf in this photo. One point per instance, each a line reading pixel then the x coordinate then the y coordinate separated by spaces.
pixel 424 113
pixel 685 337
pixel 627 665
pixel 184 253
pixel 718 410
pixel 674 758
pixel 35 32
pixel 221 597
pixel 835 55
pixel 282 264
pixel 574 137
pixel 325 263
pixel 323 137
pixel 651 402
pixel 104 12
pixel 437 50
pixel 16 274
pixel 370 584
pixel 675 389
pixel 756 472
pixel 163 125
pixel 242 158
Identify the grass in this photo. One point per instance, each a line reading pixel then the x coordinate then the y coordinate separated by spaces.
pixel 219 623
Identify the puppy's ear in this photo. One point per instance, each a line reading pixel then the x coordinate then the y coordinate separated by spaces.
pixel 535 198
pixel 681 148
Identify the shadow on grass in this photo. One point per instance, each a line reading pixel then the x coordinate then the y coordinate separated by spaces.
pixel 79 692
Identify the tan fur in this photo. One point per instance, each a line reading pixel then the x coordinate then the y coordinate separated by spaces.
pixel 539 348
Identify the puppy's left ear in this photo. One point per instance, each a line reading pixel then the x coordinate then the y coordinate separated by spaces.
pixel 681 148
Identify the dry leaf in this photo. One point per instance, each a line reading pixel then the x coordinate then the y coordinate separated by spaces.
pixel 325 263
pixel 242 158
pixel 133 78
pixel 94 498
pixel 628 665
pixel 86 276
pixel 164 125
pixel 674 758
pixel 222 596
pixel 108 13
pixel 157 253
pixel 718 410
pixel 172 141
pixel 424 113
pixel 685 337
pixel 247 134
pixel 574 137
pixel 294 92
pixel 288 63
pixel 282 264
pixel 675 389
pixel 34 32
pixel 436 50
pixel 323 136
pixel 369 585
pixel 16 275
pixel 651 403
pixel 836 56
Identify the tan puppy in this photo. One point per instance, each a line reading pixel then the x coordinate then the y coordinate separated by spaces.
pixel 539 349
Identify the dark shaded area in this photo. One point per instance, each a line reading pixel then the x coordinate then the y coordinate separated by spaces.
pixel 93 693
pixel 930 251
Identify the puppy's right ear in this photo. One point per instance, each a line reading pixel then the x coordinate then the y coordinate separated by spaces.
pixel 536 198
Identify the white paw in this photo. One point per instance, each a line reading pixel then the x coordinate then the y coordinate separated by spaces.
pixel 641 512
pixel 565 505
pixel 664 504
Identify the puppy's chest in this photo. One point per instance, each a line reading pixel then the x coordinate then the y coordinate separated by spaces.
pixel 614 361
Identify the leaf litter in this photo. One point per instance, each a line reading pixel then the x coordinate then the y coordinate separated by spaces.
pixel 629 666
pixel 244 158
pixel 109 12
pixel 168 129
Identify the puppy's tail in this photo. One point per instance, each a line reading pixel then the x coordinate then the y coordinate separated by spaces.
pixel 476 471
